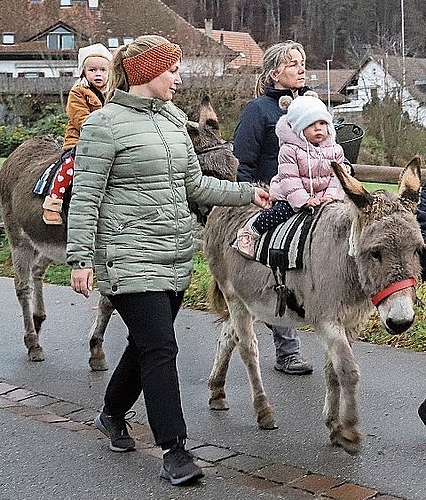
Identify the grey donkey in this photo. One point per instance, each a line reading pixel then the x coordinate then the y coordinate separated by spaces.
pixel 360 254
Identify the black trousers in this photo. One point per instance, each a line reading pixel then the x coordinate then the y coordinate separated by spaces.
pixel 148 364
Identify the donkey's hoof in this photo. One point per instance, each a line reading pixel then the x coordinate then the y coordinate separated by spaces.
pixel 218 404
pixel 266 419
pixel 35 354
pixel 98 364
pixel 350 441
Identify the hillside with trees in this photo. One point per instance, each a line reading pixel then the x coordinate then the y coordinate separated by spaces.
pixel 341 30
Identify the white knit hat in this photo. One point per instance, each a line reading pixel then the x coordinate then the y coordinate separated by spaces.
pixel 96 50
pixel 306 110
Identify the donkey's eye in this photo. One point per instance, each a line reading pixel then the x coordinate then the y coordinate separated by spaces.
pixel 376 255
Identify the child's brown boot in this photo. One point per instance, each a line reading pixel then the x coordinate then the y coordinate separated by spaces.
pixel 52 211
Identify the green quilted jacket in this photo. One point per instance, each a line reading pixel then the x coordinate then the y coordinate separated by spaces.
pixel 135 172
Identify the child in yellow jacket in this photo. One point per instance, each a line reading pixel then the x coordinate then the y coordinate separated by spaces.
pixel 85 96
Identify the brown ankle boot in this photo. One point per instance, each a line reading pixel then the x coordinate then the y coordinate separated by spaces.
pixel 52 211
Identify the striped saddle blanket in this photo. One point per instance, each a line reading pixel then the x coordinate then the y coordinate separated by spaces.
pixel 283 246
pixel 43 184
pixel 45 181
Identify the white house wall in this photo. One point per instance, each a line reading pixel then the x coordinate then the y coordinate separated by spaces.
pixel 49 68
pixel 372 78
pixel 198 66
pixel 189 67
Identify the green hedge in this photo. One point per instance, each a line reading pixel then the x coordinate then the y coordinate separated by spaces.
pixel 12 136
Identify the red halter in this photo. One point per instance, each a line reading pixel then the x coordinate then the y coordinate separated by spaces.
pixel 392 288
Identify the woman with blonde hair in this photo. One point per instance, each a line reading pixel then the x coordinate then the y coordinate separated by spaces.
pixel 256 147
pixel 136 172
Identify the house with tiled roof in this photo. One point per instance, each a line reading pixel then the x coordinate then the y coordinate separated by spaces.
pixel 249 53
pixel 329 84
pixel 389 76
pixel 42 37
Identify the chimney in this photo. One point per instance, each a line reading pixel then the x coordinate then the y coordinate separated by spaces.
pixel 208 27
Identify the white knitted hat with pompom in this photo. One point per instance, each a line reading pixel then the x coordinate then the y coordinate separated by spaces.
pixel 306 110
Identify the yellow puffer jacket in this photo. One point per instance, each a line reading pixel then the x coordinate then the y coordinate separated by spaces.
pixel 81 102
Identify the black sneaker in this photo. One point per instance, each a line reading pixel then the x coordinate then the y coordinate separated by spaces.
pixel 178 465
pixel 422 411
pixel 115 428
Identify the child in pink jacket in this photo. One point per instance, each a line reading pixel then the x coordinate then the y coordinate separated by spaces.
pixel 305 177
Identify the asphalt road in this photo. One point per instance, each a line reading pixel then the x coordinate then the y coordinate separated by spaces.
pixel 38 461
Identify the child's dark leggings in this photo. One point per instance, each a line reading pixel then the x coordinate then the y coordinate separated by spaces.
pixel 149 363
pixel 270 218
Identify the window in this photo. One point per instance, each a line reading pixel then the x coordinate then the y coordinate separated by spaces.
pixel 420 85
pixel 127 40
pixel 93 4
pixel 66 73
pixel 31 74
pixel 112 43
pixel 36 1
pixel 60 39
pixel 66 3
pixel 8 38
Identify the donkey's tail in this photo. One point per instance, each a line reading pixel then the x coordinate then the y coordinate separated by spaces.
pixel 217 301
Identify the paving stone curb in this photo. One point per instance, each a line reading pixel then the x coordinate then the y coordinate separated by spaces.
pixel 281 480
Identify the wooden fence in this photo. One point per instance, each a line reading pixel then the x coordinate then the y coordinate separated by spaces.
pixel 376 173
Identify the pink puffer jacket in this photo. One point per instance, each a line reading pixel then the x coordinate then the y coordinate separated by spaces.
pixel 304 170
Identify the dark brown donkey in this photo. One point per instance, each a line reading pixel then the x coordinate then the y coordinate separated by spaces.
pixel 34 245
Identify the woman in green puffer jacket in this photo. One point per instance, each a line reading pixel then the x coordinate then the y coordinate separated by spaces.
pixel 135 173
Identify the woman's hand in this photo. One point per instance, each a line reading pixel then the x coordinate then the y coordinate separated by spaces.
pixel 82 281
pixel 261 198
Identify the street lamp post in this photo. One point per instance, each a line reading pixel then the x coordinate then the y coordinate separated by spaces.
pixel 328 85
pixel 403 44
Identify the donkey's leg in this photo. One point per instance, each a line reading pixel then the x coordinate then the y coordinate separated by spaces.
pixel 216 382
pixel 332 396
pixel 249 352
pixel 23 257
pixel 342 369
pixel 97 359
pixel 37 272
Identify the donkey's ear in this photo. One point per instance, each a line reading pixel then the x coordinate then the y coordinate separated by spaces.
pixel 352 187
pixel 409 184
pixel 208 115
